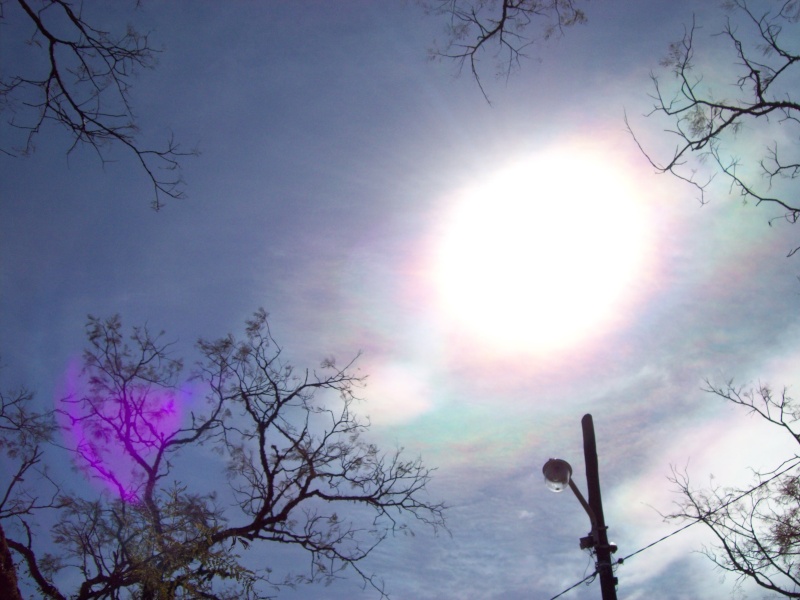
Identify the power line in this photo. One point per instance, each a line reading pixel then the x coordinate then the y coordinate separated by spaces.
pixel 698 519
pixel 572 587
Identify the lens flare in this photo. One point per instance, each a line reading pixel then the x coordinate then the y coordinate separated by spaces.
pixel 110 436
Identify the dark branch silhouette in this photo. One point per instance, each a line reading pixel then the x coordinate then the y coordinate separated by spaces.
pixel 298 473
pixel 500 28
pixel 757 529
pixel 23 431
pixel 706 126
pixel 85 88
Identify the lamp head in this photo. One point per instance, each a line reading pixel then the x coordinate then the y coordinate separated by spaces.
pixel 557 474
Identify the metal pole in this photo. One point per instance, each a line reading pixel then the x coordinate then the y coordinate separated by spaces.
pixel 607 580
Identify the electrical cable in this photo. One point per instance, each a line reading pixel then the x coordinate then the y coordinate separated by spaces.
pixel 573 586
pixel 698 519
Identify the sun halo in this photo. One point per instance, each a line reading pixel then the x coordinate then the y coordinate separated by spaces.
pixel 544 253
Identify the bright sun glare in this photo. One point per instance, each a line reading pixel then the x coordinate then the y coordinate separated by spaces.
pixel 544 253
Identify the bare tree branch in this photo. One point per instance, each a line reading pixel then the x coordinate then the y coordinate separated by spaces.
pixel 86 90
pixel 298 471
pixel 501 28
pixel 28 489
pixel 757 529
pixel 708 129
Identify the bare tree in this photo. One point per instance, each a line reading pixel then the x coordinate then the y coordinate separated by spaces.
pixel 299 473
pixel 757 529
pixel 82 82
pixel 719 124
pixel 500 28
pixel 22 433
pixel 720 130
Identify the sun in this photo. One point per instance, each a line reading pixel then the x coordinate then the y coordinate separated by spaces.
pixel 544 253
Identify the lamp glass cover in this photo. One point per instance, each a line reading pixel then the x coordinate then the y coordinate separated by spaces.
pixel 557 474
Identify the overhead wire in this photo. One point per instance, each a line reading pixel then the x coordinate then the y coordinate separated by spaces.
pixel 698 519
pixel 573 586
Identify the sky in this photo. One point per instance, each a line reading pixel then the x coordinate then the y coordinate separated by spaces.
pixel 504 268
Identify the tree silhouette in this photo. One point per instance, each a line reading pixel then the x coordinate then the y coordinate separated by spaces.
pixel 81 80
pixel 757 529
pixel 22 434
pixel 725 130
pixel 503 29
pixel 287 442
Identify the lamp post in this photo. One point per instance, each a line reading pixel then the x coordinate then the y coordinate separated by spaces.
pixel 558 475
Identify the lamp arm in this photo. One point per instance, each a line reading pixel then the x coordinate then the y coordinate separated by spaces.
pixel 585 506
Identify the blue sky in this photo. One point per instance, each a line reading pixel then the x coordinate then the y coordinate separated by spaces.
pixel 335 158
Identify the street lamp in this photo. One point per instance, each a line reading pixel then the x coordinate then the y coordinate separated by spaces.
pixel 558 476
